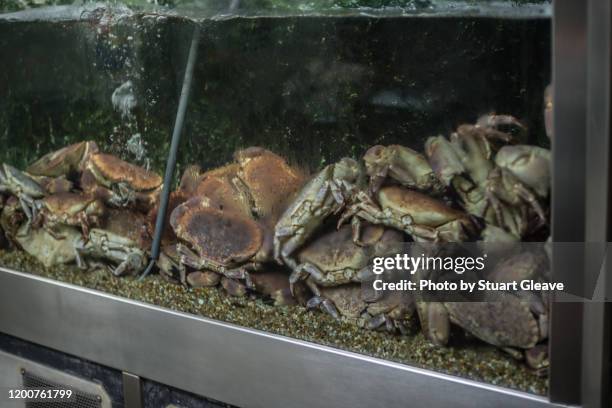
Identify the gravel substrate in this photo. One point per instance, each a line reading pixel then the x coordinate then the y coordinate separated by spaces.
pixel 466 357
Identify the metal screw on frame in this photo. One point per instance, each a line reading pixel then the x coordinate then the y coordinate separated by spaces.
pixel 176 138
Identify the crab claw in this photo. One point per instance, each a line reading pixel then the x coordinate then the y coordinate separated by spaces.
pixel 324 304
pixel 240 273
pixel 377 321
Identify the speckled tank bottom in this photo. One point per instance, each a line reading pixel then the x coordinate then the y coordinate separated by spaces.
pixel 466 357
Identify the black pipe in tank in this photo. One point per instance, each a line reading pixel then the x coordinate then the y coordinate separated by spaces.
pixel 176 138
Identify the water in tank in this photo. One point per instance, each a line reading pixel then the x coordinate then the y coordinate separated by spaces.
pixel 317 135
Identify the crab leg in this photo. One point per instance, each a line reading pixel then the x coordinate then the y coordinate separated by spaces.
pixel 531 199
pixel 192 260
pixel 79 258
pixel 301 273
pixel 377 321
pixel 282 251
pixel 370 213
pixel 493 120
pixel 325 305
pixel 242 274
pixel 376 180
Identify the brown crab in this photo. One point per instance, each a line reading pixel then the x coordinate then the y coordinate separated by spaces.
pixel 248 196
pixel 189 179
pixel 54 185
pixel 47 248
pixel 69 209
pixel 220 186
pixel 200 279
pixel 502 320
pixel 350 303
pixel 530 164
pixel 126 255
pixel 486 190
pixel 422 217
pixel 119 183
pixel 527 265
pixel 402 165
pixel 514 322
pixel 12 218
pixel 170 266
pixel 175 199
pixel 224 241
pixel 271 182
pixel 66 161
pixel 275 285
pixel 22 186
pixel 127 223
pixel 334 259
pixel 325 194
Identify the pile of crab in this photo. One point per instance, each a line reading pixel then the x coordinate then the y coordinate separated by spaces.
pixel 261 226
pixel 78 205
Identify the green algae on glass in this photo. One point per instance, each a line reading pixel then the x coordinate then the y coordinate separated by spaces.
pixel 466 357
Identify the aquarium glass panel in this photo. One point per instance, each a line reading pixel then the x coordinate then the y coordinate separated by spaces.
pixel 323 143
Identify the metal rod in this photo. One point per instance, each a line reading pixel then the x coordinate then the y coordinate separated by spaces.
pixel 176 138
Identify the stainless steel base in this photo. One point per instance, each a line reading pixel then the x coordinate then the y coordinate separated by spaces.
pixel 236 365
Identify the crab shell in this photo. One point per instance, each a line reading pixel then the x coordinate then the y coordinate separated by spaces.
pixel 313 204
pixel 18 182
pixel 169 264
pixel 443 159
pixel 349 300
pixel 56 185
pixel 403 165
pixel 220 189
pixel 66 205
pixel 398 304
pixel 275 284
pixel 116 249
pixel 200 279
pixel 503 321
pixel 423 209
pixel 340 259
pixel 65 161
pixel 336 252
pixel 105 172
pixel 129 224
pixel 175 199
pixel 222 236
pixel 108 170
pixel 520 266
pixel 530 164
pixel 271 182
pixel 47 249
pixel 11 218
pixel 190 179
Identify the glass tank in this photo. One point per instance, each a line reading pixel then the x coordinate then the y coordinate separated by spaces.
pixel 317 136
